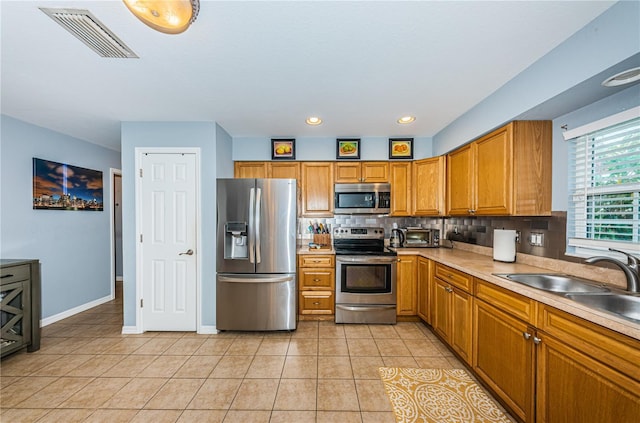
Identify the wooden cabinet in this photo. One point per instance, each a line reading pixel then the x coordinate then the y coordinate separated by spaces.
pixel 250 169
pixel 371 172
pixel 506 172
pixel 407 281
pixel 400 178
pixel 452 309
pixel 283 170
pixel 316 281
pixel 429 186
pixel 317 188
pixel 424 288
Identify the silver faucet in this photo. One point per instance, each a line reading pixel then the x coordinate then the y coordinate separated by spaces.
pixel 631 268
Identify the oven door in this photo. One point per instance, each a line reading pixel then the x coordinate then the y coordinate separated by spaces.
pixel 366 279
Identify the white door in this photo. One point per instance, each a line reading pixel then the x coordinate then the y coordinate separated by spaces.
pixel 169 239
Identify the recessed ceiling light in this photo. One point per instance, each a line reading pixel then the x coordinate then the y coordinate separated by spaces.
pixel 313 120
pixel 406 119
pixel 625 77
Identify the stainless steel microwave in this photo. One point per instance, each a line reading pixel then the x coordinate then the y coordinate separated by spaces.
pixel 362 198
pixel 418 237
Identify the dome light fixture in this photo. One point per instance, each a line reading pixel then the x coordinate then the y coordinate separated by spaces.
pixel 313 121
pixel 404 120
pixel 622 78
pixel 167 16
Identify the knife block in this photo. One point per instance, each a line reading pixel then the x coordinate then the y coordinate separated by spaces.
pixel 322 239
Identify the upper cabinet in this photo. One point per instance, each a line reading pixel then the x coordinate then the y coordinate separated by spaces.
pixel 317 188
pixel 400 179
pixel 371 172
pixel 250 169
pixel 283 170
pixel 428 187
pixel 506 172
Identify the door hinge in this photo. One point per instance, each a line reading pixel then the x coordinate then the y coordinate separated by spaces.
pixel 141 172
pixel 140 237
pixel 141 303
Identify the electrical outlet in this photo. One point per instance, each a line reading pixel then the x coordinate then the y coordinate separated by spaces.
pixel 517 237
pixel 536 239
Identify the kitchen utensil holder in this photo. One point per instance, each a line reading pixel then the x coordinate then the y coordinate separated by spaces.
pixel 324 240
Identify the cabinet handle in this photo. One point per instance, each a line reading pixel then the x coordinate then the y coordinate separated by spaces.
pixel 316 303
pixel 536 340
pixel 471 211
pixel 6 276
pixel 448 289
pixel 316 280
pixel 526 335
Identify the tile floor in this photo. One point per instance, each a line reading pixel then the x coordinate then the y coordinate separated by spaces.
pixel 87 371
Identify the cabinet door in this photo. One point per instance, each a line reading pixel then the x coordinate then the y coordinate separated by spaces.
pixel 250 169
pixel 461 326
pixel 440 308
pixel 428 182
pixel 407 285
pixel 424 288
pixel 400 178
pixel 572 387
pixel 288 170
pixel 460 181
pixel 317 188
pixel 494 180
pixel 317 279
pixel 348 172
pixel 504 357
pixel 375 172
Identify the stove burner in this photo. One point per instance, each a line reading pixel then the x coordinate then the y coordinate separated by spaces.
pixel 360 242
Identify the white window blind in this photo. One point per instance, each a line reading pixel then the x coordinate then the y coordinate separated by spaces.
pixel 604 203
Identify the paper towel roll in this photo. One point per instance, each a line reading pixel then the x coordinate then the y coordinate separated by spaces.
pixel 504 245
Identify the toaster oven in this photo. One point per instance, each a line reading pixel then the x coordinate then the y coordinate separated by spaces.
pixel 419 237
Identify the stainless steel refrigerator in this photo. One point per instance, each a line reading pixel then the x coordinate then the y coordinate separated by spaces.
pixel 256 254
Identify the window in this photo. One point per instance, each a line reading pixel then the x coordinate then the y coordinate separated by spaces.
pixel 604 187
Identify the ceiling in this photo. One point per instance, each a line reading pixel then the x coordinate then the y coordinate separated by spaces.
pixel 260 68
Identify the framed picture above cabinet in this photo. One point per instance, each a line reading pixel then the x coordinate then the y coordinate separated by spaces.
pixel 400 148
pixel 348 148
pixel 283 149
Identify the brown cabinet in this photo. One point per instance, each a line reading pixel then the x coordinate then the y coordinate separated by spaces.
pixel 407 281
pixel 371 172
pixel 400 178
pixel 316 280
pixel 424 288
pixel 506 172
pixel 429 186
pixel 250 170
pixel 283 170
pixel 317 189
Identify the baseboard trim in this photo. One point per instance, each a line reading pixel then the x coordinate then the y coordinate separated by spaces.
pixel 73 311
pixel 208 330
pixel 131 330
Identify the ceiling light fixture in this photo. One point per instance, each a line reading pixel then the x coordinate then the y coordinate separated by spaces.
pixel 313 121
pixel 406 119
pixel 625 77
pixel 168 16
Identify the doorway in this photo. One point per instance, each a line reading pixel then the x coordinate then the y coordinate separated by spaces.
pixel 116 231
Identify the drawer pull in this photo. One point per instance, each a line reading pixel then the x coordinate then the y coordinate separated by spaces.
pixel 536 340
pixel 316 280
pixel 316 303
pixel 526 335
pixel 7 276
pixel 448 289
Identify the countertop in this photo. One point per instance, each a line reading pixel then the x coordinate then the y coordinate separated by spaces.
pixel 304 249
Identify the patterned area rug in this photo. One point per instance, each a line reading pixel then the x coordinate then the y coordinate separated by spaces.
pixel 438 396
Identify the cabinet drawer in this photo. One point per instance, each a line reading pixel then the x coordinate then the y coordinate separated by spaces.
pixel 315 261
pixel 518 305
pixel 454 277
pixel 316 279
pixel 15 273
pixel 316 302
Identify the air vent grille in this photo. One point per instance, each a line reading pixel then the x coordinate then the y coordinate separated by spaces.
pixel 88 29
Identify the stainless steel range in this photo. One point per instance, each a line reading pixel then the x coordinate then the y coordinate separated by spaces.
pixel 365 276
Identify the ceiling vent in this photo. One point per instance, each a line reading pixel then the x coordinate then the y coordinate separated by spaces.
pixel 88 29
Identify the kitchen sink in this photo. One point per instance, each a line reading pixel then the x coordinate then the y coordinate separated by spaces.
pixel 556 283
pixel 627 306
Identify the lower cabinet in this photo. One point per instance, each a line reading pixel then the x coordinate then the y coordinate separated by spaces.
pixel 424 289
pixel 316 284
pixel 407 285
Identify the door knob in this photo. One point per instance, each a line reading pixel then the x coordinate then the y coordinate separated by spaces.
pixel 189 252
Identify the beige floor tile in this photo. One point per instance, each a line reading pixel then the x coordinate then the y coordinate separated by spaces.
pixel 96 393
pixel 55 393
pixel 372 395
pixel 383 332
pixel 422 348
pixel 202 416
pixel 392 347
pixel 96 366
pixel 244 416
pixel 198 366
pixel 303 346
pixel 8 380
pixel 230 367
pixel 175 394
pixel 366 367
pixel 301 367
pixel 362 347
pixel 357 331
pixel 333 346
pixel 111 416
pixel 215 394
pixel 164 366
pixel 135 394
pixel 296 394
pixel 185 346
pixel 23 364
pixel 24 415
pixel 131 365
pixel 455 363
pixel 378 417
pixel 155 346
pixel 400 362
pixel 243 346
pixel 127 345
pixel 256 394
pixel 410 330
pixel 328 330
pixel 433 363
pixel 66 346
pixel 332 367
pixel 306 329
pixel 157 416
pixel 273 346
pixel 338 417
pixel 64 365
pixel 99 345
pixel 285 416
pixel 266 367
pixel 68 415
pixel 215 346
pixel 22 389
pixel 337 395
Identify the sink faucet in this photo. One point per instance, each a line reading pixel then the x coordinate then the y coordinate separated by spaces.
pixel 631 268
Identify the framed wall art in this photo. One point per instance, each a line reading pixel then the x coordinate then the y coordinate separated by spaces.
pixel 400 148
pixel 283 149
pixel 59 186
pixel 348 148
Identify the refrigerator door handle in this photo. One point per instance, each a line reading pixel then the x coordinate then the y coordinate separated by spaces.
pixel 236 279
pixel 257 222
pixel 252 234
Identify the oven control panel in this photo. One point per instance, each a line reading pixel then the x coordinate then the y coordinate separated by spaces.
pixel 358 233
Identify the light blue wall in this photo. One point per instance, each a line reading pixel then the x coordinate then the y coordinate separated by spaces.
pixel 73 246
pixel 224 149
pixel 324 148
pixel 170 134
